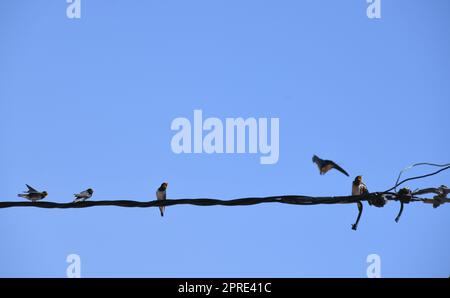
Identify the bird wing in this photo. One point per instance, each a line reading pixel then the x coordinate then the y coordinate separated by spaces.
pixel 355 190
pixel 30 189
pixel 81 194
pixel 337 167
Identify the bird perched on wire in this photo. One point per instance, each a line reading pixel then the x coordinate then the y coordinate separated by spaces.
pixel 161 195
pixel 358 187
pixel 32 194
pixel 84 195
pixel 326 165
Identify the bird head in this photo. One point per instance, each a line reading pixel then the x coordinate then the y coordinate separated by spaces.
pixel 358 179
pixel 44 193
pixel 164 185
pixel 90 191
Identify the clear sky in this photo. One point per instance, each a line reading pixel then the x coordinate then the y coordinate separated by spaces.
pixel 89 103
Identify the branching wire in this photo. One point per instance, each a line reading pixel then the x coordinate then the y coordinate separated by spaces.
pixel 447 166
pixel 418 177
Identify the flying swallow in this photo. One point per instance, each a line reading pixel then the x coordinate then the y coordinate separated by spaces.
pixel 32 194
pixel 358 187
pixel 326 165
pixel 161 195
pixel 83 196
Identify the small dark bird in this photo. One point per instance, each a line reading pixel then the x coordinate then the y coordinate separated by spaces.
pixel 161 195
pixel 83 196
pixel 358 187
pixel 326 165
pixel 32 194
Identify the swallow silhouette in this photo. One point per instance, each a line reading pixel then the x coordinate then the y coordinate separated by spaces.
pixel 326 165
pixel 84 195
pixel 358 187
pixel 161 195
pixel 32 194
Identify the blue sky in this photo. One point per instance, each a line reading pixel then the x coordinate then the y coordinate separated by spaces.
pixel 89 103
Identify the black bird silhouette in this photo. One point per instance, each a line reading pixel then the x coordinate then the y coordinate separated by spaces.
pixel 326 165
pixel 84 195
pixel 161 195
pixel 32 194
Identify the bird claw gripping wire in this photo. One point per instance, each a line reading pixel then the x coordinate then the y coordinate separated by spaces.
pixel 360 210
pixel 404 195
pixel 440 198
